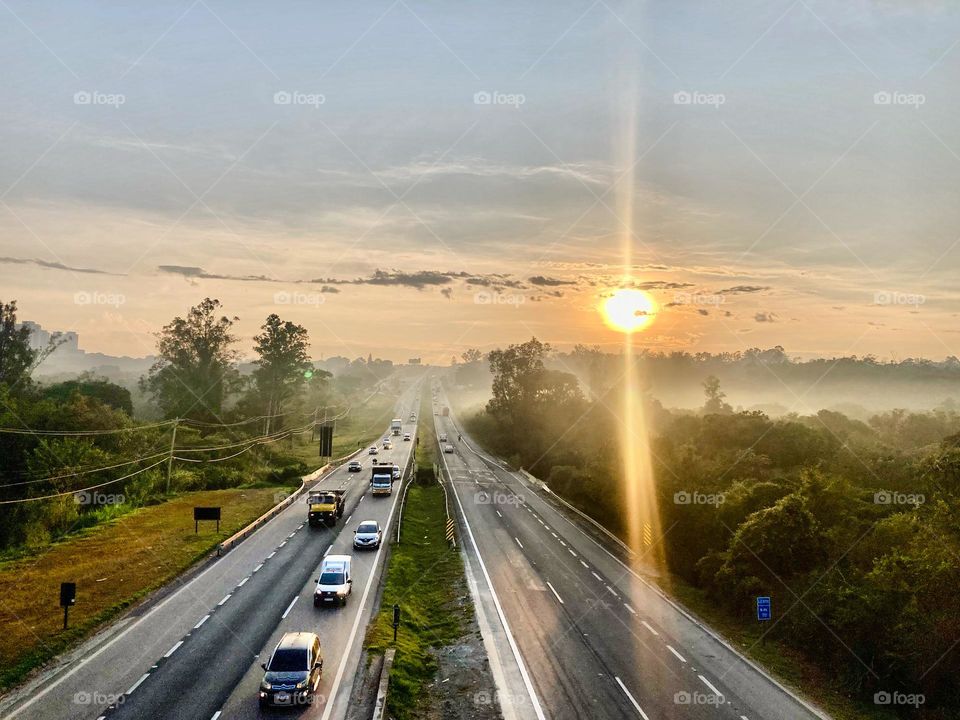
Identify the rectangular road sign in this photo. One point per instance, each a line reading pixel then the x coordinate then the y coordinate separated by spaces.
pixel 763 608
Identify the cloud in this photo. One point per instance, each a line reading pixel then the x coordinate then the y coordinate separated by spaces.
pixel 55 266
pixel 661 285
pixel 765 317
pixel 196 273
pixel 543 281
pixel 447 292
pixel 742 289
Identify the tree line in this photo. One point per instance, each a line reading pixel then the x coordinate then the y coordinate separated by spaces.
pixel 852 527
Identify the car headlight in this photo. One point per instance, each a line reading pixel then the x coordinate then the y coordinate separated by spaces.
pixel 265 686
pixel 301 685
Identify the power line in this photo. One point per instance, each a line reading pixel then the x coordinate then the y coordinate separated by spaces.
pixel 82 433
pixel 81 490
pixel 79 472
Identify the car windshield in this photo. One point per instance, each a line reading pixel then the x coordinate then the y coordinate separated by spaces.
pixel 331 578
pixel 367 528
pixel 289 660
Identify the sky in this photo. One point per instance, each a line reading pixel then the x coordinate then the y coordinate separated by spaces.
pixel 415 178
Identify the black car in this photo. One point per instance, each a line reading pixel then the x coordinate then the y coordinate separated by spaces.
pixel 293 672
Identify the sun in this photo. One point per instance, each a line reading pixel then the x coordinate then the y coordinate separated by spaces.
pixel 629 310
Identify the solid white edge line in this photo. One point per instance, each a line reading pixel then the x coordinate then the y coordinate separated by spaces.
pixel 649 627
pixel 631 698
pixel 202 621
pixel 712 688
pixel 172 650
pixel 555 592
pixel 327 551
pixel 289 608
pixel 217 714
pixel 137 684
pixel 680 657
pixel 496 602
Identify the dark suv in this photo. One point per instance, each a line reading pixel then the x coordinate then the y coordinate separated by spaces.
pixel 293 672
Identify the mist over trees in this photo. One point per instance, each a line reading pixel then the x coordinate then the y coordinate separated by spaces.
pixel 852 526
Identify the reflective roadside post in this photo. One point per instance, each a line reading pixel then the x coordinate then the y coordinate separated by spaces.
pixel 68 597
pixel 396 620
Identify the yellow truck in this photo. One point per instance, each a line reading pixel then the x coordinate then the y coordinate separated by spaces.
pixel 325 507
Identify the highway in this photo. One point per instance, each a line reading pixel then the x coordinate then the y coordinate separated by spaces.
pixel 194 652
pixel 571 630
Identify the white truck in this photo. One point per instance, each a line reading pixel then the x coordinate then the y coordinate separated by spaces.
pixel 381 479
pixel 396 425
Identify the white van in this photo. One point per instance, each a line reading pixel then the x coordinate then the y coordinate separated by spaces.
pixel 335 581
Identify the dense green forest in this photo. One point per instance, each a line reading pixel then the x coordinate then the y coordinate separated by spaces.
pixel 74 456
pixel 853 527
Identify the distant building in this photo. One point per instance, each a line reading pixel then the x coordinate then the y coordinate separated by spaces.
pixel 413 361
pixel 67 357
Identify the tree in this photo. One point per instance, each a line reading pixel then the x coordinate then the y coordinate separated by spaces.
pixel 88 385
pixel 283 363
pixel 196 370
pixel 17 358
pixel 472 355
pixel 715 404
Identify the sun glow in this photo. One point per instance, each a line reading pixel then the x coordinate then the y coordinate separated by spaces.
pixel 629 310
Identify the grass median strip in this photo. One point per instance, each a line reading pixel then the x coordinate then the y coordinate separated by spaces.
pixel 114 565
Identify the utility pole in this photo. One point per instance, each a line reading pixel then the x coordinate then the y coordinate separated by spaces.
pixel 173 442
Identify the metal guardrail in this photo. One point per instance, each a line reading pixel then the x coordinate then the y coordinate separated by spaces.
pixel 407 473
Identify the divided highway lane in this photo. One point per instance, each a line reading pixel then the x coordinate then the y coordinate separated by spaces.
pixel 596 640
pixel 216 671
pixel 236 591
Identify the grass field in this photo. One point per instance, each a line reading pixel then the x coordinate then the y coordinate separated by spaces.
pixel 113 565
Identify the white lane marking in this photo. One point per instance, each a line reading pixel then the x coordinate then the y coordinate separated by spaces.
pixel 217 714
pixel 271 554
pixel 563 543
pixel 282 544
pixel 498 514
pixel 744 717
pixel 712 688
pixel 123 633
pixel 258 567
pixel 289 608
pixel 596 576
pixel 225 598
pixel 680 657
pixel 327 551
pixel 554 534
pixel 535 701
pixel 647 626
pixel 172 650
pixel 584 564
pixel 137 683
pixel 202 621
pixel 612 591
pixel 631 698
pixel 572 552
pixel 632 611
pixel 347 520
pixel 555 593
pixel 242 582
pixel 519 543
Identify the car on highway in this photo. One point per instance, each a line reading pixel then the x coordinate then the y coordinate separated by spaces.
pixel 406 437
pixel 396 472
pixel 448 448
pixel 387 445
pixel 373 450
pixel 292 674
pixel 354 466
pixel 443 437
pixel 335 582
pixel 367 535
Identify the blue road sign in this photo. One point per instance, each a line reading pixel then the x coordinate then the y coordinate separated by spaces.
pixel 763 608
